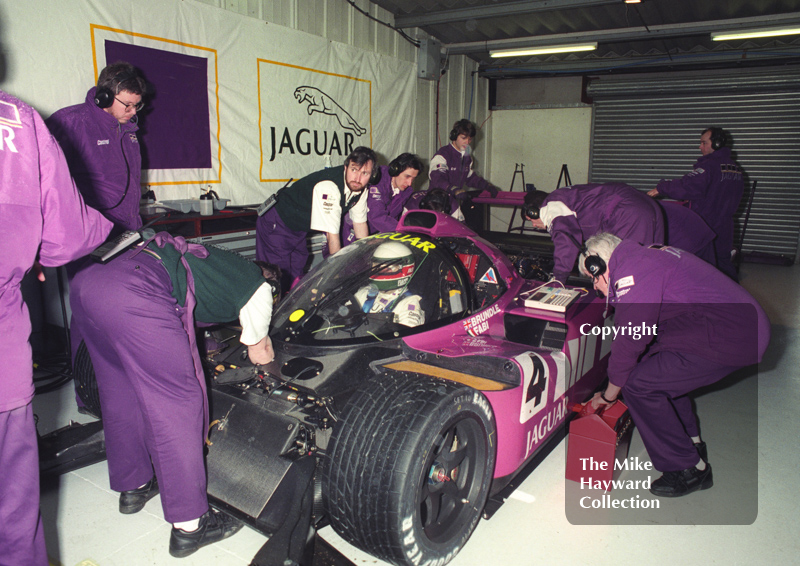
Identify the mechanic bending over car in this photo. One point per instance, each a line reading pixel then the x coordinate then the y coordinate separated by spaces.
pixel 707 327
pixel 316 202
pixel 140 311
pixel 388 288
pixel 574 214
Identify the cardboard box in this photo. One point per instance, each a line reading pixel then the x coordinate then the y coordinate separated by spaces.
pixel 596 441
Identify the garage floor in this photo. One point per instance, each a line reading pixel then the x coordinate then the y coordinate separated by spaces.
pixel 748 517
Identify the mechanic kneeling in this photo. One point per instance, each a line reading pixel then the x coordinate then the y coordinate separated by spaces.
pixel 707 327
pixel 140 310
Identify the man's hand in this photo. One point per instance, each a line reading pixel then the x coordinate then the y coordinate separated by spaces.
pixel 37 269
pixel 653 193
pixel 605 398
pixel 261 353
pixel 493 190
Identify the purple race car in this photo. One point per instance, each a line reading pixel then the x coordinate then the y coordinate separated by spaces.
pixel 411 385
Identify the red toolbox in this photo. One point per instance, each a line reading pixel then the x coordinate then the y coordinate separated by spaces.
pixel 596 442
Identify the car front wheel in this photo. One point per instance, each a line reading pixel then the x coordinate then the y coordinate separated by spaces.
pixel 409 468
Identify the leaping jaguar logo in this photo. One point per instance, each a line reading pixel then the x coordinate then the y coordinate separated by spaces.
pixel 318 101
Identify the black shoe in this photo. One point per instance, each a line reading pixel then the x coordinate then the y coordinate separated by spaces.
pixel 676 484
pixel 133 501
pixel 214 526
pixel 702 450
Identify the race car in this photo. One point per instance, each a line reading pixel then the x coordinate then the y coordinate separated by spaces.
pixel 411 383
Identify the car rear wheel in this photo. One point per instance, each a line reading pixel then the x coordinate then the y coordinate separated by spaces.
pixel 409 468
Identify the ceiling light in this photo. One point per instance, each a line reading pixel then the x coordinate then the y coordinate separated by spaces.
pixel 633 1
pixel 544 50
pixel 751 33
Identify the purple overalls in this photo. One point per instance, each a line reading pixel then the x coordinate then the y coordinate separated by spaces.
pixel 616 208
pixel 714 189
pixel 707 327
pixel 151 383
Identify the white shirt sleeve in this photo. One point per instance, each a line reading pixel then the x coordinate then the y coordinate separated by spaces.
pixel 359 212
pixel 256 315
pixel 326 210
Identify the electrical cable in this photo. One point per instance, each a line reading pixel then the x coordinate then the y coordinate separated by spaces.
pixel 403 34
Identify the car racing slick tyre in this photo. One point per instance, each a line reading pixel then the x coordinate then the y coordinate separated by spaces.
pixel 409 468
pixel 85 380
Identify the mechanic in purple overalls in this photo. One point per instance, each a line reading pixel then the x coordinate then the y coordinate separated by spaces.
pixel 573 214
pixel 140 310
pixel 316 202
pixel 451 166
pixel 451 170
pixel 696 327
pixel 387 198
pixel 100 143
pixel 41 212
pixel 714 189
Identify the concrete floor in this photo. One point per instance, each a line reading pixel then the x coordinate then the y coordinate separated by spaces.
pixel 749 517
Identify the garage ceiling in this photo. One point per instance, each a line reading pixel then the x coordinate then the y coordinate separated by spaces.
pixel 655 35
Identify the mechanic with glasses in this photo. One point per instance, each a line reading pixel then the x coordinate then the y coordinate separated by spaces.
pixel 707 327
pixel 99 141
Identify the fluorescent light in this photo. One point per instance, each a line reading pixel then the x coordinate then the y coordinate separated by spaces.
pixel 544 50
pixel 633 1
pixel 751 33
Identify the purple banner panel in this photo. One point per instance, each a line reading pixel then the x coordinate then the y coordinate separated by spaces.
pixel 174 125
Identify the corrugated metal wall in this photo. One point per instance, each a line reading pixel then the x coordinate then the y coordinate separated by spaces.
pixel 460 93
pixel 648 129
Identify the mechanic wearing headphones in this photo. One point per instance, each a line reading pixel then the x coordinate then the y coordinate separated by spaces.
pixel 707 327
pixel 316 202
pixel 387 197
pixel 42 216
pixel 714 189
pixel 139 311
pixel 99 141
pixel 451 166
pixel 573 214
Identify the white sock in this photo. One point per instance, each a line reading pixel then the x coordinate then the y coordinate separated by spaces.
pixel 188 526
pixel 696 439
pixel 700 465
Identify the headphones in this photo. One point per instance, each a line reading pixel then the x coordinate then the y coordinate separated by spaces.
pixel 376 174
pixel 403 162
pixel 594 264
pixel 718 138
pixel 104 96
pixel 459 127
pixel 530 209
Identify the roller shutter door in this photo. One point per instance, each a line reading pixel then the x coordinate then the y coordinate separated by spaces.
pixel 645 130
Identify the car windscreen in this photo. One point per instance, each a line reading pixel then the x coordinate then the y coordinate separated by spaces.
pixel 378 288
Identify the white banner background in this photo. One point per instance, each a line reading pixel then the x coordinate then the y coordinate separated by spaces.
pixel 53 48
